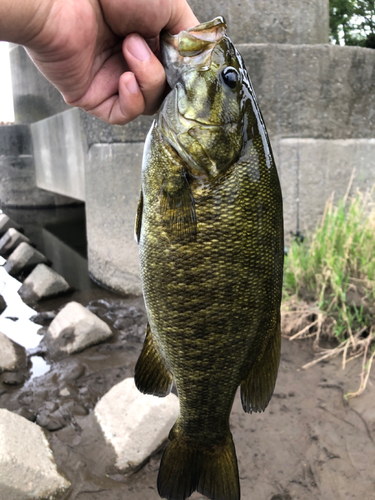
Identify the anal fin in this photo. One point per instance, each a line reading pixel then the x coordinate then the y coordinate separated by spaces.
pixel 151 375
pixel 257 388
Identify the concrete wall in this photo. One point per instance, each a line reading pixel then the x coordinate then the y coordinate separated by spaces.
pixel 322 91
pixel 311 170
pixel 18 186
pixel 318 102
pixel 271 21
pixel 112 192
pixel 60 149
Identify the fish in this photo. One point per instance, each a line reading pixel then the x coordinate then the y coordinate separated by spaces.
pixel 209 227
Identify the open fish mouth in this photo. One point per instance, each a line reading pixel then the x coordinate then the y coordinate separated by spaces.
pixel 191 48
pixel 193 41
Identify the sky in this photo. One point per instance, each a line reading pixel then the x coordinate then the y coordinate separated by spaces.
pixel 6 96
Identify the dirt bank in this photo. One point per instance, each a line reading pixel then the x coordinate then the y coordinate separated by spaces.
pixel 309 444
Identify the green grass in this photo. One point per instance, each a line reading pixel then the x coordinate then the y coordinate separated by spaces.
pixel 336 264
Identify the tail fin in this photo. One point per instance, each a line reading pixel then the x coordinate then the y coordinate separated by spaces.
pixel 187 466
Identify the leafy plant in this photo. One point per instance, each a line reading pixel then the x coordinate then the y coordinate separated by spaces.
pixel 353 22
pixel 335 265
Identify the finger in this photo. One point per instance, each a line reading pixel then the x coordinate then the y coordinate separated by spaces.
pixel 103 84
pixel 148 18
pixel 148 71
pixel 124 107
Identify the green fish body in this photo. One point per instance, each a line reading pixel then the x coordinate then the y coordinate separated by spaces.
pixel 210 233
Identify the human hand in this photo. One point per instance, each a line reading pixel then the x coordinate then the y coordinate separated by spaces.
pixel 95 51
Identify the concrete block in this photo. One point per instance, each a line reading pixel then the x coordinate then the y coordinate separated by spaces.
pixel 6 223
pixel 312 169
pixel 271 21
pixel 17 171
pixel 75 328
pixel 59 151
pixel 42 282
pixel 15 140
pixel 12 356
pixel 314 91
pixel 134 424
pixel 10 241
pixel 8 356
pixel 98 132
pixel 112 192
pixel 27 467
pixel 3 304
pixel 24 258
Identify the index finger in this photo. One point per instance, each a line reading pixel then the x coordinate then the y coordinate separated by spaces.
pixel 148 18
pixel 182 18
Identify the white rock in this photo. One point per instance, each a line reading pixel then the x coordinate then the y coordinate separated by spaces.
pixel 10 240
pixel 8 356
pixel 135 425
pixel 27 467
pixel 23 257
pixel 41 283
pixel 76 328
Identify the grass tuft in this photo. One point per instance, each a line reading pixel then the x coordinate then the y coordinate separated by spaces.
pixel 335 266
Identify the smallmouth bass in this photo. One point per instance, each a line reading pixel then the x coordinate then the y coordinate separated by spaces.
pixel 210 232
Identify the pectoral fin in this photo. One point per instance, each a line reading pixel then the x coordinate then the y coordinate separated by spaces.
pixel 151 375
pixel 177 208
pixel 257 388
pixel 138 219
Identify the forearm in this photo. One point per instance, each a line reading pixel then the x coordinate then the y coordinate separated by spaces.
pixel 22 20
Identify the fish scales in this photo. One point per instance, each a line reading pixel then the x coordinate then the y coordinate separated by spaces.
pixel 210 233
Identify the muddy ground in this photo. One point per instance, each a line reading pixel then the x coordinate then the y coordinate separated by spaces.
pixel 309 444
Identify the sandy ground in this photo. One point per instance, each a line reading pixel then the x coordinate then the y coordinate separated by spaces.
pixel 309 444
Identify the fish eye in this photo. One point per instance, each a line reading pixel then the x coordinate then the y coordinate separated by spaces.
pixel 230 77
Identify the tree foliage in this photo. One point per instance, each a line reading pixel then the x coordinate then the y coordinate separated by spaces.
pixel 352 22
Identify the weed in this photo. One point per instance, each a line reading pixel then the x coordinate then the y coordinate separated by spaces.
pixel 335 266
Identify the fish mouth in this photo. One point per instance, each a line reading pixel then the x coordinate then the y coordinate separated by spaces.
pixel 195 40
pixel 190 49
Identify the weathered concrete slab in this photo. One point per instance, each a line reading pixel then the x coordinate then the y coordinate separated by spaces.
pixel 24 258
pixel 8 356
pixel 112 193
pixel 314 91
pixel 27 467
pixel 312 169
pixel 3 304
pixel 12 356
pixel 41 283
pixel 6 223
pixel 10 241
pixel 135 425
pixel 75 328
pixel 59 152
pixel 272 21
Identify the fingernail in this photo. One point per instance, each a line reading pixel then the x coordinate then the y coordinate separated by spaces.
pixel 139 48
pixel 131 84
